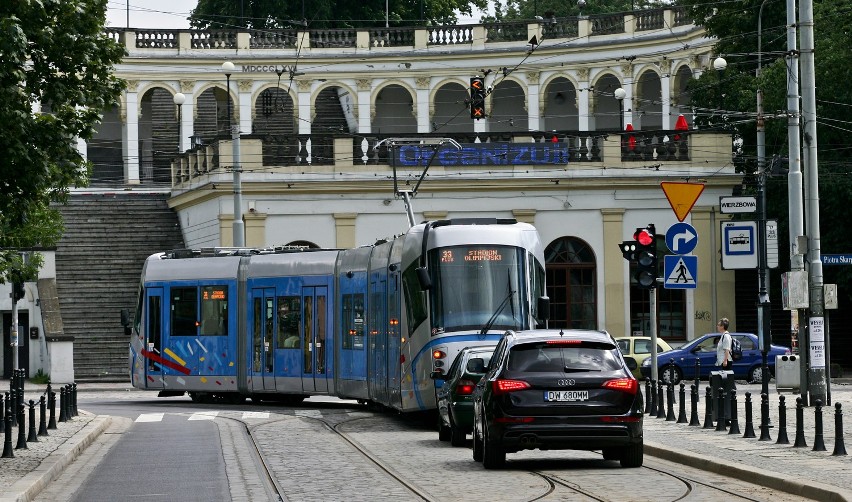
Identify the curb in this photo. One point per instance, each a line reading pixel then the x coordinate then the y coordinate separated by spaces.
pixel 28 487
pixel 756 475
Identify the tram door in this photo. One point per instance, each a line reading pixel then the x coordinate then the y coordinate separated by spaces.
pixel 315 353
pixel 263 329
pixel 154 336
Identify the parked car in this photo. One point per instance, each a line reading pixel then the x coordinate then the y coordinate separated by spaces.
pixel 455 397
pixel 557 390
pixel 704 350
pixel 636 348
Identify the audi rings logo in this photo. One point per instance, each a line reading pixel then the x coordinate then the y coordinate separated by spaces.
pixel 566 382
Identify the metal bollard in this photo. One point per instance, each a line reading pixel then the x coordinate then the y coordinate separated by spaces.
pixel 697 375
pixel 782 422
pixel 764 418
pixel 735 426
pixel 652 396
pixel 68 415
pixel 839 446
pixel 2 414
pixel 681 415
pixel 62 416
pixel 749 428
pixel 51 403
pixel 74 400
pixel 12 399
pixel 693 408
pixel 800 431
pixel 22 436
pixel 42 419
pixel 7 443
pixel 32 437
pixel 648 396
pixel 819 444
pixel 708 409
pixel 661 403
pixel 720 413
pixel 670 416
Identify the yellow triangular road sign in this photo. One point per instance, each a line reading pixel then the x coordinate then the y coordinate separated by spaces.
pixel 682 196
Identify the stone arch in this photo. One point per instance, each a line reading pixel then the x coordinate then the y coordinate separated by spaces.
pixel 274 120
pixel 210 120
pixel 158 133
pixel 571 269
pixel 393 109
pixel 105 149
pixel 648 102
pixel 681 97
pixel 558 104
pixel 450 114
pixel 506 107
pixel 606 110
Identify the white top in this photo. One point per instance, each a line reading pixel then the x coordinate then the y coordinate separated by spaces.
pixel 723 345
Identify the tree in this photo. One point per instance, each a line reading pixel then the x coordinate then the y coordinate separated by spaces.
pixel 734 25
pixel 280 14
pixel 54 53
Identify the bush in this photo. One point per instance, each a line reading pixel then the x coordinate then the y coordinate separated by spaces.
pixel 40 378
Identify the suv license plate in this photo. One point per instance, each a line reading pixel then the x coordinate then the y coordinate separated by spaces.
pixel 566 395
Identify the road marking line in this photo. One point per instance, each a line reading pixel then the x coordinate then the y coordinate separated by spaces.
pixel 204 415
pixel 150 417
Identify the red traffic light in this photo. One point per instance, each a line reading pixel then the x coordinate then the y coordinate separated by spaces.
pixel 644 236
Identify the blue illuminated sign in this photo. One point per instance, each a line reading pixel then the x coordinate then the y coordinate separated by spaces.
pixel 484 154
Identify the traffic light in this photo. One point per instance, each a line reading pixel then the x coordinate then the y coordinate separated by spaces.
pixel 17 291
pixel 628 250
pixel 477 97
pixel 646 257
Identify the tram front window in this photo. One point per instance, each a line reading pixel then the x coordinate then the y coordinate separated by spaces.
pixel 472 284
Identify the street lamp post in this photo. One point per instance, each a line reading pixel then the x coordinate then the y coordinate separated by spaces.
pixel 179 99
pixel 620 94
pixel 239 234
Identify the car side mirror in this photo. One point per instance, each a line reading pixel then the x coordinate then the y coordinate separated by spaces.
pixel 476 365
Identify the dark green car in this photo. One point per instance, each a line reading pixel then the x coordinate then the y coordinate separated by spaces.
pixel 455 405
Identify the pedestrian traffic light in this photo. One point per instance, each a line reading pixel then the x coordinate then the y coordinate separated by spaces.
pixel 17 291
pixel 477 97
pixel 647 266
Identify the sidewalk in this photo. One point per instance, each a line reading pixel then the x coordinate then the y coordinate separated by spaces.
pixel 800 471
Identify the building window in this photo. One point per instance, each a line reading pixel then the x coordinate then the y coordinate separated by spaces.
pixel 571 279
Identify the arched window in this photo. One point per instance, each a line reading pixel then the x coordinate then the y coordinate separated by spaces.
pixel 571 279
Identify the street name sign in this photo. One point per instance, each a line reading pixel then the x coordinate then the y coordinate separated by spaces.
pixel 731 205
pixel 836 259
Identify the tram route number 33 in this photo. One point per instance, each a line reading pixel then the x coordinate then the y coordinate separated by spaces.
pixel 566 395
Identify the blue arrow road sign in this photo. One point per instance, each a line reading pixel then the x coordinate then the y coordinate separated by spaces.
pixel 681 272
pixel 681 238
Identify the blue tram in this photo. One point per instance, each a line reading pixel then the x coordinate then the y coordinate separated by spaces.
pixel 373 323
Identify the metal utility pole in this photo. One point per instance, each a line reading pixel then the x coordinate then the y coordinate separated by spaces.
pixel 794 176
pixel 816 320
pixel 764 327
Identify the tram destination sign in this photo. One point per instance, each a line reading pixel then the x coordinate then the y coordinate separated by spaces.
pixel 482 154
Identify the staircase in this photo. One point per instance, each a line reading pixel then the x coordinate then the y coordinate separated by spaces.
pixel 99 261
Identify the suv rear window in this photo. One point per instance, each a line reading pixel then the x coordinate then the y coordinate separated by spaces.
pixel 542 357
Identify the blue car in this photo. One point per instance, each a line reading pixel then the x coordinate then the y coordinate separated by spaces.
pixel 704 350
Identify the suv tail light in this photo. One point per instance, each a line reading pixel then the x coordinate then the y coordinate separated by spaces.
pixel 628 385
pixel 503 386
pixel 465 387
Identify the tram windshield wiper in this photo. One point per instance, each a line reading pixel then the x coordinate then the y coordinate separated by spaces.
pixel 500 308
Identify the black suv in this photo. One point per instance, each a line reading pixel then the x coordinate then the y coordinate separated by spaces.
pixel 557 390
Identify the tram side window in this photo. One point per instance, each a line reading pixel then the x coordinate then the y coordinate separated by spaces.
pixel 353 321
pixel 184 309
pixel 289 320
pixel 214 311
pixel 415 298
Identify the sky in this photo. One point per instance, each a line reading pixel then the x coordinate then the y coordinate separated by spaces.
pixel 162 14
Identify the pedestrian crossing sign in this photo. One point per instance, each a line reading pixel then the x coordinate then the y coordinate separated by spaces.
pixel 681 272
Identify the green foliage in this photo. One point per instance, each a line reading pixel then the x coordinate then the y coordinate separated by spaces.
pixel 40 378
pixel 281 14
pixel 510 10
pixel 734 25
pixel 55 53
